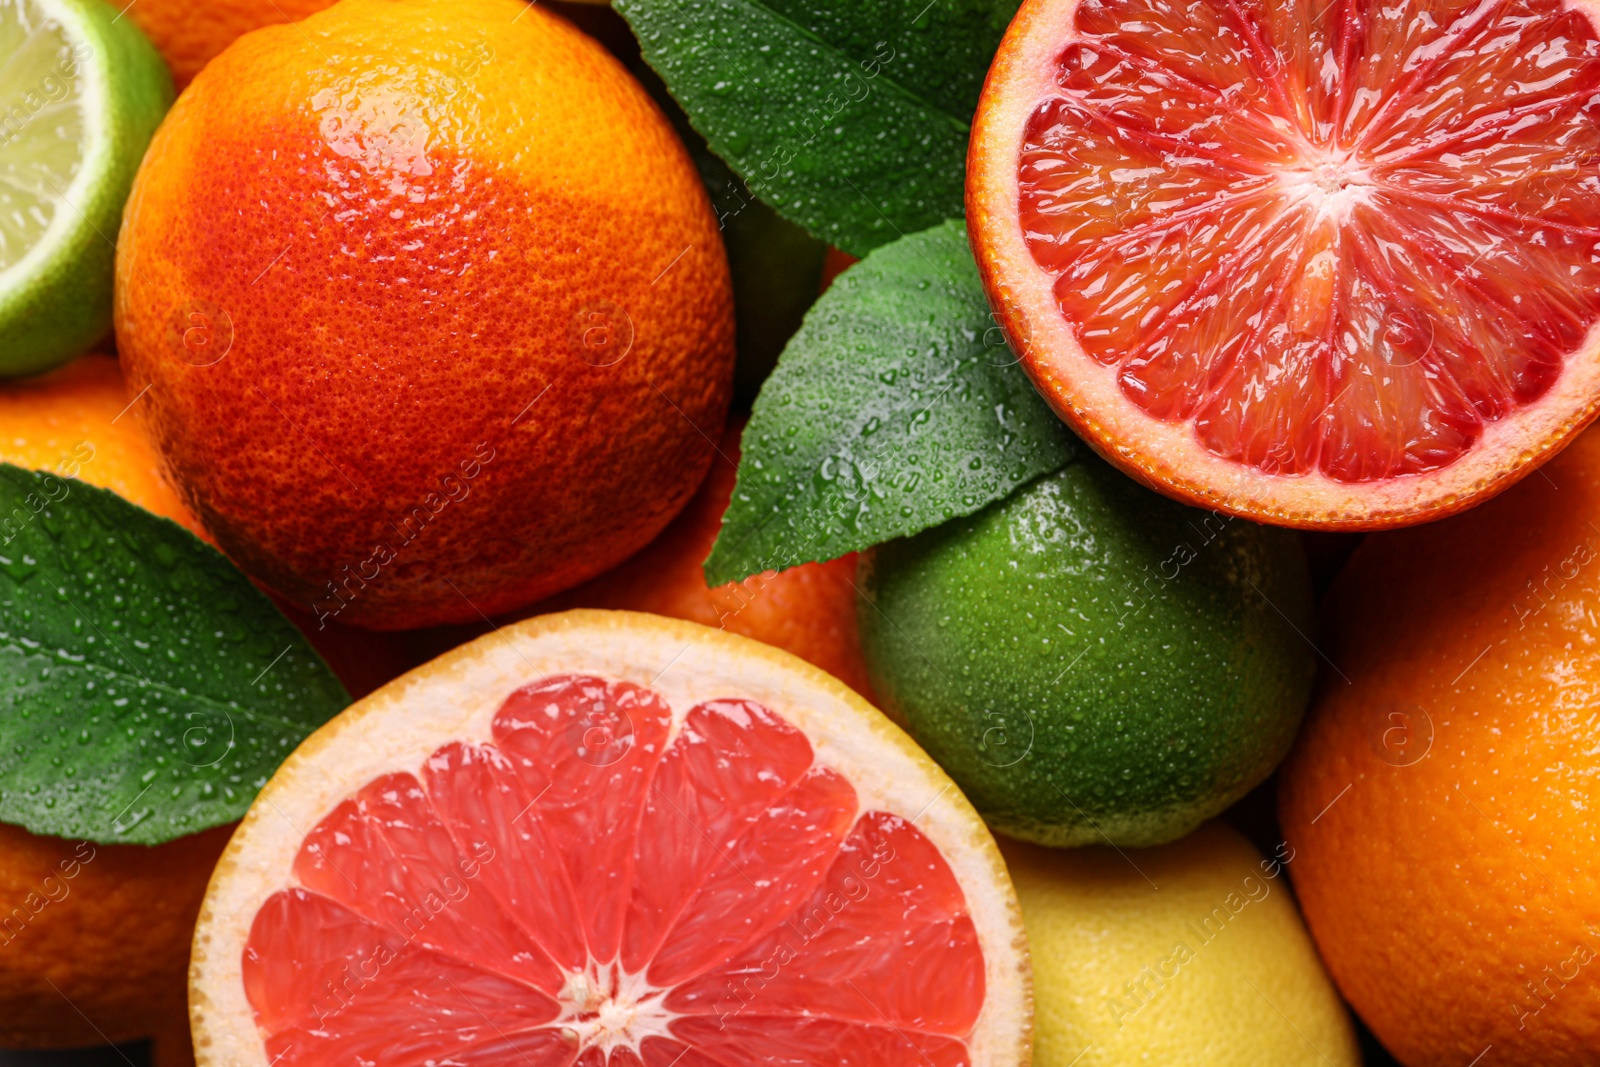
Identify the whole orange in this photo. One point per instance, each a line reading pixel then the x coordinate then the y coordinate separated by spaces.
pixel 809 610
pixel 432 307
pixel 1441 801
pixel 189 33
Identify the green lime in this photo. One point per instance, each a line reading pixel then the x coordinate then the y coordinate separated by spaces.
pixel 82 91
pixel 1091 661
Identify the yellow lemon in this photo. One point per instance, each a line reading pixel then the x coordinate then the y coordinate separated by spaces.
pixel 1189 953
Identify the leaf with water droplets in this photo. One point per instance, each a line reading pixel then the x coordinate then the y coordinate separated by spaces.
pixel 147 689
pixel 849 117
pixel 848 447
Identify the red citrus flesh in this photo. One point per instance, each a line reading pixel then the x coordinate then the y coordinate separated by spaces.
pixel 1316 263
pixel 590 888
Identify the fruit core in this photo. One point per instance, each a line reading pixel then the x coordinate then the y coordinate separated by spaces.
pixel 607 1008
pixel 1335 239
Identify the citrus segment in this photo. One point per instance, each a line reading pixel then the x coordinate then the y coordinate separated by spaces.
pixel 611 869
pixel 1314 266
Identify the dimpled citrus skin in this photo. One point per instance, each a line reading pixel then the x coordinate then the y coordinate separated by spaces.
pixel 1442 801
pixel 1091 661
pixel 463 310
pixel 1148 956
pixel 107 925
pixel 809 610
pixel 77 422
pixel 190 33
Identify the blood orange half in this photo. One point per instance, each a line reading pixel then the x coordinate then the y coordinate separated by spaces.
pixel 609 838
pixel 1325 263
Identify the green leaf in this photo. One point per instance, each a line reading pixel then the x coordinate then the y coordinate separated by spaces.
pixel 147 689
pixel 849 117
pixel 898 406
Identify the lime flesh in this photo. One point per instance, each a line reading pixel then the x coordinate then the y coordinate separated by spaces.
pixel 81 92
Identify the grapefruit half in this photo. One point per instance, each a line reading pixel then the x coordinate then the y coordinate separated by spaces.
pixel 1324 264
pixel 611 838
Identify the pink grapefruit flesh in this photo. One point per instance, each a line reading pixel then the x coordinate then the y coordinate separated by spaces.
pixel 1312 262
pixel 605 878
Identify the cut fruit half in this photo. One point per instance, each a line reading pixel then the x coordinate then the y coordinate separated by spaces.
pixel 1325 264
pixel 82 92
pixel 610 838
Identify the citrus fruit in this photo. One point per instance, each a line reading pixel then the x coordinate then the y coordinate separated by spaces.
pixel 82 92
pixel 809 610
pixel 465 339
pixel 1091 661
pixel 189 35
pixel 80 422
pixel 1441 797
pixel 1318 266
pixel 1187 953
pixel 94 938
pixel 610 837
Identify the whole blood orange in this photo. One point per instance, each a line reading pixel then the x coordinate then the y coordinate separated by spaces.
pixel 1440 802
pixel 1319 264
pixel 809 610
pixel 609 838
pixel 432 329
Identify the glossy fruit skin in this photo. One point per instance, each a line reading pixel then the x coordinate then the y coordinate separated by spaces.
pixel 1149 955
pixel 809 610
pixel 65 309
pixel 189 35
pixel 111 930
pixel 1440 800
pixel 432 333
pixel 1091 661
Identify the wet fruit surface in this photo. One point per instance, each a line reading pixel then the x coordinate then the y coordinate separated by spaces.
pixel 1091 661
pixel 1319 264
pixel 1345 244
pixel 588 889
pixel 456 347
pixel 1438 798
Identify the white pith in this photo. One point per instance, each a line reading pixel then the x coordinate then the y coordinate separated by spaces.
pixel 456 697
pixel 1331 181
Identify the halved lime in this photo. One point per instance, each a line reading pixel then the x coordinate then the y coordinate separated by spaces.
pixel 81 92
